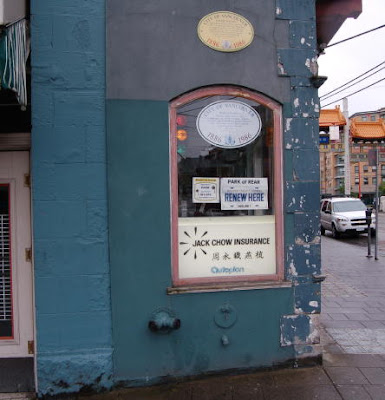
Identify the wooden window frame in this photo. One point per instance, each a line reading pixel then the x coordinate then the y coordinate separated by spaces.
pixel 277 187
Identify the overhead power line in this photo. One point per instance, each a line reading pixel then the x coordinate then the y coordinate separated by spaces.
pixel 355 83
pixel 352 80
pixel 357 91
pixel 353 37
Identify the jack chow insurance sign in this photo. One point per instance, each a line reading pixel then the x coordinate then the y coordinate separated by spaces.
pixel 226 246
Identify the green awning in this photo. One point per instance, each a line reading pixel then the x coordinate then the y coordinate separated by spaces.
pixel 14 51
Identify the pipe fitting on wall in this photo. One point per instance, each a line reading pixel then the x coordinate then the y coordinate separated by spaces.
pixel 163 321
pixel 318 278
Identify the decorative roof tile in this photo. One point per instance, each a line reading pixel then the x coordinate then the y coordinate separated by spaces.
pixel 367 130
pixel 332 117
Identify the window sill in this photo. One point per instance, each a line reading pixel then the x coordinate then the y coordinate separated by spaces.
pixel 229 287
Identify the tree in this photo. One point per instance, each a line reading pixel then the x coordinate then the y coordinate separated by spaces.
pixel 381 189
pixel 341 188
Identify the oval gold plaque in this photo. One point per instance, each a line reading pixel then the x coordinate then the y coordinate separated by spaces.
pixel 225 31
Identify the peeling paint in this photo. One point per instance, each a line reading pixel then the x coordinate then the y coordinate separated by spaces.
pixel 288 123
pixel 281 69
pixel 299 329
pixel 302 200
pixel 314 337
pixel 303 40
pixel 316 240
pixel 296 102
pixel 292 269
pixel 278 11
pixel 313 304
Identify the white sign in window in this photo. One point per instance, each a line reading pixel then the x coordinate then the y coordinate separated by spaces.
pixel 244 194
pixel 229 124
pixel 205 190
pixel 223 247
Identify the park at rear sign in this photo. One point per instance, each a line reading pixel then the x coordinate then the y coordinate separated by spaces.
pixel 244 194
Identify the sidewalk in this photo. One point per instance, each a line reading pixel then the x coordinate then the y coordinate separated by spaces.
pixel 353 338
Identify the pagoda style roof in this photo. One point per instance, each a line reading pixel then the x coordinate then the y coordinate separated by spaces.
pixel 332 117
pixel 373 130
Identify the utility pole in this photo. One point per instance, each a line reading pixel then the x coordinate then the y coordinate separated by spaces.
pixel 373 161
pixel 346 147
pixel 377 201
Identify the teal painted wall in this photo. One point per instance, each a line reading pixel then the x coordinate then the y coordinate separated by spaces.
pixel 75 213
pixel 273 325
pixel 69 193
pixel 138 184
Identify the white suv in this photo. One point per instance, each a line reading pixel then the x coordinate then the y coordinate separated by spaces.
pixel 344 215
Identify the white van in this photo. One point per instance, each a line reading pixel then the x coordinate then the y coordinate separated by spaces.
pixel 344 215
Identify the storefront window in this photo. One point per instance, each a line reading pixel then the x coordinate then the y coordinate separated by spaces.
pixel 226 187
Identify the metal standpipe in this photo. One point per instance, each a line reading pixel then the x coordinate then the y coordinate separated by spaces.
pixel 368 213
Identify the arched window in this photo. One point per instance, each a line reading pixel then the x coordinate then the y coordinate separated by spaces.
pixel 226 187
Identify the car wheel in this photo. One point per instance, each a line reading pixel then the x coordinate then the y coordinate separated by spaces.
pixel 322 230
pixel 335 233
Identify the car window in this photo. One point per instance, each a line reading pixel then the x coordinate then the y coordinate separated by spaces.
pixel 328 206
pixel 345 206
pixel 324 204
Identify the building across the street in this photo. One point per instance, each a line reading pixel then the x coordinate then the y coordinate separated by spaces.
pixel 369 116
pixel 366 135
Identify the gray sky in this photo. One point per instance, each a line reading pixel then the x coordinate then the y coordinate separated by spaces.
pixel 345 61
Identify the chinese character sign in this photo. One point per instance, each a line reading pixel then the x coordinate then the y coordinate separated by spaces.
pixel 221 246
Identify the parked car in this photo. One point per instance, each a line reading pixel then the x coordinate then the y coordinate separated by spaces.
pixel 344 215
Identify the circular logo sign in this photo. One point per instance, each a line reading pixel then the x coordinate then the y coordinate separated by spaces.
pixel 225 31
pixel 229 124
